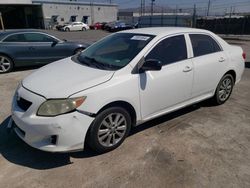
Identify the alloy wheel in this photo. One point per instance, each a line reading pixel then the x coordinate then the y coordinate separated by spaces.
pixel 5 64
pixel 225 89
pixel 112 129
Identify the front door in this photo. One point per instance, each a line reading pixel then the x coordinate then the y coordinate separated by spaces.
pixel 42 50
pixel 172 85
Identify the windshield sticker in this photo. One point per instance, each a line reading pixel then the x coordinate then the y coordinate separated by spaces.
pixel 139 37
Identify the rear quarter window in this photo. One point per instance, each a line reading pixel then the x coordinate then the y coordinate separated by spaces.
pixel 203 44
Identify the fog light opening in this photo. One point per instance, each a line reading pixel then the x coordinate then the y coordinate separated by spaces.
pixel 53 139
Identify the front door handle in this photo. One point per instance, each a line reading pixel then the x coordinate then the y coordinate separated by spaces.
pixel 187 69
pixel 222 59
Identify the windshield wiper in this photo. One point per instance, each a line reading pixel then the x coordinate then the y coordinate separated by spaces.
pixel 90 61
pixel 101 65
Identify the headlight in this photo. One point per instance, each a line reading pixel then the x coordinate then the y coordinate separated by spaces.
pixel 56 107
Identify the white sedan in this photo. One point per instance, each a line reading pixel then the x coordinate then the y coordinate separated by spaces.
pixel 125 79
pixel 76 26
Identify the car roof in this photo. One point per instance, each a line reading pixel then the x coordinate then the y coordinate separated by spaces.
pixel 13 31
pixel 163 30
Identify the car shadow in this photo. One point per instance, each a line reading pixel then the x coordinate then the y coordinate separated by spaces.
pixel 13 149
pixel 25 68
pixel 18 152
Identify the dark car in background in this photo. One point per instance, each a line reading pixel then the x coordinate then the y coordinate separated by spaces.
pixel 118 26
pixel 33 47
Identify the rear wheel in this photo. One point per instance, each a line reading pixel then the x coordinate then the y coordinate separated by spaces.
pixel 109 129
pixel 6 64
pixel 224 89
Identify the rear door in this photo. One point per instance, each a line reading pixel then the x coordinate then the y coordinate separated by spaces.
pixel 209 63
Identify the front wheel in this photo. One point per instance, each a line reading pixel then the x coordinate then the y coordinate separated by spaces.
pixel 83 29
pixel 224 89
pixel 67 29
pixel 109 129
pixel 6 64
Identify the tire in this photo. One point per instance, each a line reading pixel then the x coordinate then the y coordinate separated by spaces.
pixel 104 134
pixel 224 89
pixel 67 29
pixel 84 29
pixel 6 64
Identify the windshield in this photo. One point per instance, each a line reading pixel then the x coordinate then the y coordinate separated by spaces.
pixel 115 51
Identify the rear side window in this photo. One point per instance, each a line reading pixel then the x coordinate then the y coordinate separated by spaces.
pixel 169 50
pixel 15 38
pixel 203 44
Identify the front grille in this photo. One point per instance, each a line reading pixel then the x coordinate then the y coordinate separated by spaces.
pixel 23 104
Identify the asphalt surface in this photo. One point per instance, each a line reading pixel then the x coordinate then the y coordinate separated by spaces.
pixel 199 146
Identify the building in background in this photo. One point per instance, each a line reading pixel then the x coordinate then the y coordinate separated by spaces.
pixel 48 13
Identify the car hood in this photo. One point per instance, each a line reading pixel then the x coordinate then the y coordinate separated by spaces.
pixel 64 78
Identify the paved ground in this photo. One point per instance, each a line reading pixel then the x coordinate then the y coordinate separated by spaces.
pixel 199 146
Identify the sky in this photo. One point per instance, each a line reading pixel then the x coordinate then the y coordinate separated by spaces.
pixel 217 6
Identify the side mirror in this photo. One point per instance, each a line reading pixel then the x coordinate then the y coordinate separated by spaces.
pixel 54 43
pixel 151 65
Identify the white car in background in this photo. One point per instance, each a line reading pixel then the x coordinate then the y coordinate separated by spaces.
pixel 76 26
pixel 123 80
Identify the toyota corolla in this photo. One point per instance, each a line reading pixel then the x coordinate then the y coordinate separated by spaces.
pixel 121 81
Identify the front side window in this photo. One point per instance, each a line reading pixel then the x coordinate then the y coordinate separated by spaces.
pixel 115 51
pixel 170 50
pixel 203 44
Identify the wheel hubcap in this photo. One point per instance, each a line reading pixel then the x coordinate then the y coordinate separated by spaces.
pixel 225 89
pixel 112 129
pixel 4 64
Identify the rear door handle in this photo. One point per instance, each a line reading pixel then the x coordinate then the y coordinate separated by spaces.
pixel 222 59
pixel 187 69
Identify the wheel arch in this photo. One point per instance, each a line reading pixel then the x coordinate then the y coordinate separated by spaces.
pixel 120 103
pixel 232 72
pixel 126 105
pixel 9 56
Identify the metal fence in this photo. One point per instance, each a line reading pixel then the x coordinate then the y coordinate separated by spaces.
pixel 236 26
pixel 165 20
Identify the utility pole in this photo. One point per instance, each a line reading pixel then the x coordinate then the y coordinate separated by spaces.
pixel 1 20
pixel 208 7
pixel 231 10
pixel 152 7
pixel 194 16
pixel 176 15
pixel 143 7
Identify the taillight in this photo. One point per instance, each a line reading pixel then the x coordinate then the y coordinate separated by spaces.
pixel 244 55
